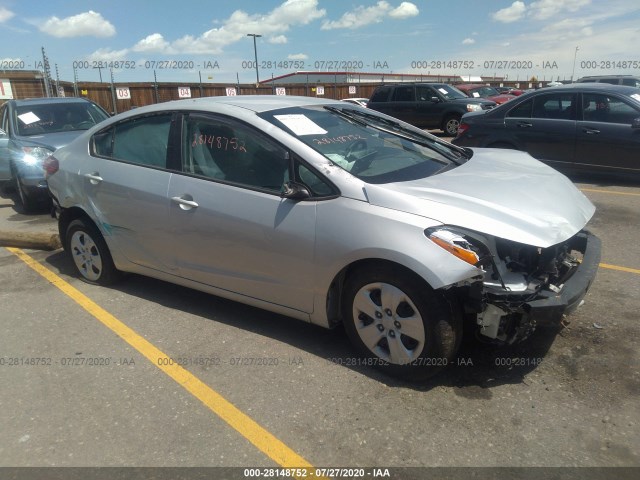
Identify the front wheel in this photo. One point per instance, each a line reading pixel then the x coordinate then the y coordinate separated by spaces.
pixel 399 323
pixel 90 253
pixel 451 124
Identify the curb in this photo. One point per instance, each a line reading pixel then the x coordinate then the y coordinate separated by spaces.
pixel 34 241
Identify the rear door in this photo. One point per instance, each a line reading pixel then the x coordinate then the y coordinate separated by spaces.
pixel 605 138
pixel 126 182
pixel 545 126
pixel 232 229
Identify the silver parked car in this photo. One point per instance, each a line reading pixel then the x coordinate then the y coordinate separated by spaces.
pixel 329 213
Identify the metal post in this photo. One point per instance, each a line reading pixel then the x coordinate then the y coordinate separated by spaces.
pixel 200 77
pixel 255 54
pixel 113 92
pixel 574 63
pixel 155 86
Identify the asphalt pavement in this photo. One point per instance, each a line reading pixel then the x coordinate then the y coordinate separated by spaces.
pixel 36 230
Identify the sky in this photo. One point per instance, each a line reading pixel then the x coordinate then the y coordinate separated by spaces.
pixel 207 40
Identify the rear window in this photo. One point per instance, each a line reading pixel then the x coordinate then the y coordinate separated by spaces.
pixel 380 95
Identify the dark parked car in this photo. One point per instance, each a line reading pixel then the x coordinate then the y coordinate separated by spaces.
pixel 582 126
pixel 426 105
pixel 475 90
pixel 33 129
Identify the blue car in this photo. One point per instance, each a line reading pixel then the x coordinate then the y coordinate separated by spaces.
pixel 33 129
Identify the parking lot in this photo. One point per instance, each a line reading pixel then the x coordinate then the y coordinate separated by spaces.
pixel 151 374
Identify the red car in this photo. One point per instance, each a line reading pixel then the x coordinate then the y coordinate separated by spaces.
pixel 476 90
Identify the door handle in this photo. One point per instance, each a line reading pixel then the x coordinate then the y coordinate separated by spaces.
pixel 94 177
pixel 185 203
pixel 590 131
pixel 524 125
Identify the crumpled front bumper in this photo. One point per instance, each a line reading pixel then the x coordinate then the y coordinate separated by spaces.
pixel 549 307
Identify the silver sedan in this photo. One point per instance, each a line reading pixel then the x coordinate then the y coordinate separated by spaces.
pixel 332 214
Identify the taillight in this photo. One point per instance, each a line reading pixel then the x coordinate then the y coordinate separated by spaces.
pixel 51 165
pixel 462 128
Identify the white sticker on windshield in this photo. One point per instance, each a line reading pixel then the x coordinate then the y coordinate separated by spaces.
pixel 442 91
pixel 28 118
pixel 636 96
pixel 301 124
pixel 475 95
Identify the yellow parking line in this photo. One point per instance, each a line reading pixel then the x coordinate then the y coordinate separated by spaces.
pixel 266 442
pixel 621 269
pixel 613 192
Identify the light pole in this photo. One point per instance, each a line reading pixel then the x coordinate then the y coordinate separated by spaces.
pixel 255 53
pixel 574 63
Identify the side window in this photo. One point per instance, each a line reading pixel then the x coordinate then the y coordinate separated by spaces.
pixel 380 95
pixel 631 82
pixel 558 106
pixel 142 140
pixel 598 107
pixel 521 111
pixel 223 150
pixel 424 94
pixel 404 94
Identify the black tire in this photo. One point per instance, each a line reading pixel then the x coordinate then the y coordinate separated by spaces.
pixel 90 254
pixel 25 202
pixel 432 325
pixel 451 124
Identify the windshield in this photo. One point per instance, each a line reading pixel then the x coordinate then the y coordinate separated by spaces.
pixel 57 117
pixel 484 92
pixel 370 147
pixel 449 92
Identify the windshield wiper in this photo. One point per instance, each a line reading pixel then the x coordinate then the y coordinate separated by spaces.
pixel 403 132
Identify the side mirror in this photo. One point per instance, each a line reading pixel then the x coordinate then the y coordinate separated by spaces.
pixel 295 191
pixel 435 99
pixel 635 123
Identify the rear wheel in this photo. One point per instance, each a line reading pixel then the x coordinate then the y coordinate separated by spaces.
pixel 90 253
pixel 399 323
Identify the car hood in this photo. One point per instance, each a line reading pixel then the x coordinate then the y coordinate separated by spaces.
pixel 502 98
pixel 503 193
pixel 479 100
pixel 52 141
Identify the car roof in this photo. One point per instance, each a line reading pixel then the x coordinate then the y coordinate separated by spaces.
pixel 463 86
pixel 49 101
pixel 592 86
pixel 255 103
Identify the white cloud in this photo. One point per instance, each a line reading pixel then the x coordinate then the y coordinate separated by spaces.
pixel 105 55
pixel 359 17
pixel 362 16
pixel 297 56
pixel 511 14
pixel 5 14
pixel 468 41
pixel 152 43
pixel 278 40
pixel 84 24
pixel 289 14
pixel 405 10
pixel 543 9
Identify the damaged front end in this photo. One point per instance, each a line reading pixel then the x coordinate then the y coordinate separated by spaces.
pixel 522 286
